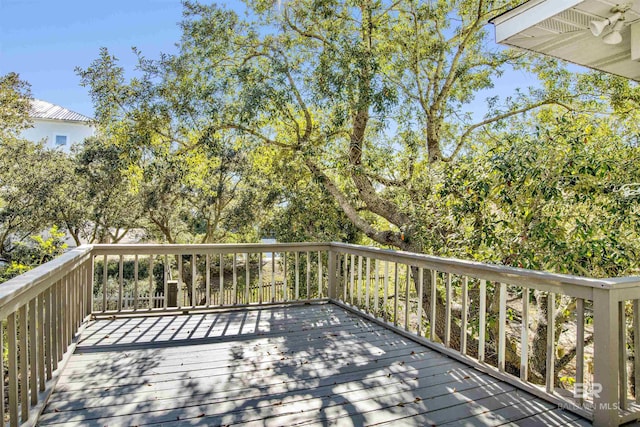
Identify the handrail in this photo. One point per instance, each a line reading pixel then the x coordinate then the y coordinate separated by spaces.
pixel 19 290
pixel 216 248
pixel 496 272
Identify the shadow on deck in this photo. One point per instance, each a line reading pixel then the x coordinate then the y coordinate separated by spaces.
pixel 296 365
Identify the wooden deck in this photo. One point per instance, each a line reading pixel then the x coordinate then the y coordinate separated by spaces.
pixel 280 366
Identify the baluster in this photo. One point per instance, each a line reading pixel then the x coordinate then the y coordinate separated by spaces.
pixel 151 287
pixel 297 266
pixel 273 276
pixel 622 356
pixel 24 362
pixel 105 272
pixel 247 278
pixel 433 321
pixel 33 352
pixel 320 276
pixel 396 291
pixel 284 281
pixel 580 346
pixel 385 292
pixel 221 295
pixel 88 288
pixel 135 283
pixel 447 312
pixel 260 285
pixel 78 299
pixel 165 279
pixel 376 278
pixel 194 297
pixel 48 332
pixel 207 280
pixel 64 303
pixel 345 276
pixel 502 325
pixel 524 337
pixel 308 276
pixel 352 278
pixel 482 320
pixel 464 321
pixel 235 278
pixel 181 282
pixel 367 284
pixel 420 290
pixel 406 303
pixel 551 326
pixel 71 306
pixel 12 365
pixel 359 284
pixel 55 325
pixel 71 303
pixel 120 281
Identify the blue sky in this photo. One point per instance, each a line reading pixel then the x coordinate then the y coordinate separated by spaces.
pixel 44 41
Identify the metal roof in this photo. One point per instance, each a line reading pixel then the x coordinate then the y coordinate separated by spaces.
pixel 560 28
pixel 46 110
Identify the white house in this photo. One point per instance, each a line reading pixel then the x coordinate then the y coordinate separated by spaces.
pixel 57 126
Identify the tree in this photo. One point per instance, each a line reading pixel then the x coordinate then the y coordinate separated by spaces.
pixel 15 102
pixel 190 184
pixel 28 171
pixel 551 199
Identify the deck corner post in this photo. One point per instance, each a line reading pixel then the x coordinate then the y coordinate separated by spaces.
pixel 332 280
pixel 605 358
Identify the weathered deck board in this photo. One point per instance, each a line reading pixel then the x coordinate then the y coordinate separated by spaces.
pixel 303 365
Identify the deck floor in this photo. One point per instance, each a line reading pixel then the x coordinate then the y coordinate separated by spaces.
pixel 280 366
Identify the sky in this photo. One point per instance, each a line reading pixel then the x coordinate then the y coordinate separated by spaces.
pixel 45 40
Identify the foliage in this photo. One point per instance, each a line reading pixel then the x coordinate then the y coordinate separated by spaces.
pixel 15 96
pixel 548 198
pixel 24 183
pixel 33 252
pixel 368 98
pixel 187 183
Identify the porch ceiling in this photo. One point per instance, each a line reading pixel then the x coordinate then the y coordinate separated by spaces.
pixel 560 28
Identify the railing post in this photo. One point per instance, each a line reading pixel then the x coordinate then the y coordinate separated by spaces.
pixel 332 280
pixel 605 358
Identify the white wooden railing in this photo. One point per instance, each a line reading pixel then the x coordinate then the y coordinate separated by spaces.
pixel 41 311
pixel 482 311
pixel 392 287
pixel 221 276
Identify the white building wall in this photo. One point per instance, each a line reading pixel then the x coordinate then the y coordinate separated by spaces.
pixel 48 130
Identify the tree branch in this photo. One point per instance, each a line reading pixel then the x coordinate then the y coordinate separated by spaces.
pixel 494 119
